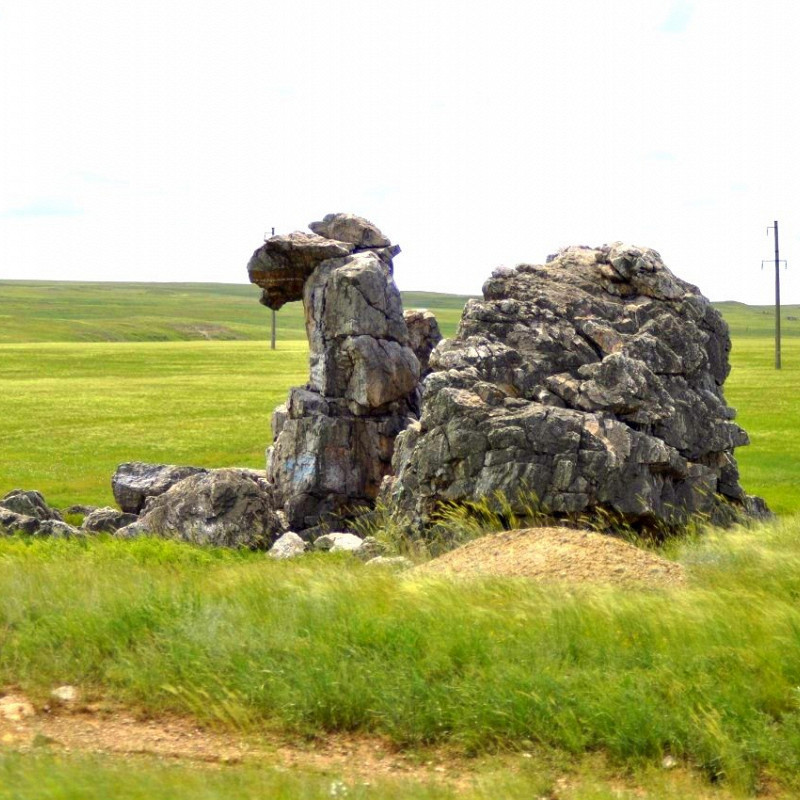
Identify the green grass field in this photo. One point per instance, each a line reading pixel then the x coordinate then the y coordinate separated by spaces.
pixel 707 674
pixel 92 375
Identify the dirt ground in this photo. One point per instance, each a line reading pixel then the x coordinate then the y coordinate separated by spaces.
pixel 557 554
pixel 109 729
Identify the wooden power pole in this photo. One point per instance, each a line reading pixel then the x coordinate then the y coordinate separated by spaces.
pixel 774 227
pixel 272 342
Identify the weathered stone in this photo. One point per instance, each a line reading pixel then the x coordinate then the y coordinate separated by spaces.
pixel 592 383
pixel 135 481
pixel 288 546
pixel 107 520
pixel 283 263
pixel 338 542
pixel 328 464
pixel 11 522
pixel 29 503
pixel 350 228
pixel 66 694
pixel 335 436
pixel 221 507
pixel 357 336
pixel 57 529
pixel 423 336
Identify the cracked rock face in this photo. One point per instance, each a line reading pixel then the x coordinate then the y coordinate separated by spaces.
pixel 334 438
pixel 593 382
pixel 221 507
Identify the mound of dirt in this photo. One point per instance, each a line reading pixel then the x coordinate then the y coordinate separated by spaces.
pixel 557 554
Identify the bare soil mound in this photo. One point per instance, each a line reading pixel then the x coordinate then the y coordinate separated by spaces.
pixel 558 554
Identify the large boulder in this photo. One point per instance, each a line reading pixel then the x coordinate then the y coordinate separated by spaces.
pixel 589 385
pixel 283 263
pixel 135 481
pixel 350 228
pixel 222 507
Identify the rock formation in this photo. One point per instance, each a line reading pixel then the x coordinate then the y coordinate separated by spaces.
pixel 423 334
pixel 334 438
pixel 135 481
pixel 26 512
pixel 592 383
pixel 222 507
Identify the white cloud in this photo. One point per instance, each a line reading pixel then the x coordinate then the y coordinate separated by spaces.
pixel 474 135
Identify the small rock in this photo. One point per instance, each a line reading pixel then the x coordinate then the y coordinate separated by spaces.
pixel 107 520
pixel 58 529
pixel 668 762
pixel 338 542
pixel 65 694
pixel 11 522
pixel 288 546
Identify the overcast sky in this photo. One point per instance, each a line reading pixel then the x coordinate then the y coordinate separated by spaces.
pixel 160 139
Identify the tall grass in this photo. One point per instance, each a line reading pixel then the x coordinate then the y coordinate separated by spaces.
pixel 709 674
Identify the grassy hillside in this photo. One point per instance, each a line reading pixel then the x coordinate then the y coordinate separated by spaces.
pixel 759 321
pixel 45 311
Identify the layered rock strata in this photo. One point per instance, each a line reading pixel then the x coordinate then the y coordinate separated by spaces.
pixel 593 384
pixel 334 438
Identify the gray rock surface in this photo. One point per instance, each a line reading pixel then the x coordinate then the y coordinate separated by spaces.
pixel 423 335
pixel 283 263
pixel 11 522
pixel 222 507
pixel 288 546
pixel 350 228
pixel 29 503
pixel 593 383
pixel 334 437
pixel 107 520
pixel 338 542
pixel 135 481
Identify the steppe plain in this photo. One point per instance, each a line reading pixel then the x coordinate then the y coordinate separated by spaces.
pixel 342 682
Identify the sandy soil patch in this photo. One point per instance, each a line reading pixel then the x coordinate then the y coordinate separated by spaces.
pixel 557 554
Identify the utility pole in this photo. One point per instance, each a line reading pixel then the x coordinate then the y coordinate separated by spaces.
pixel 272 344
pixel 774 227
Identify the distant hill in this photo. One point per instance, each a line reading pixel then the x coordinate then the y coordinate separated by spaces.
pixel 66 311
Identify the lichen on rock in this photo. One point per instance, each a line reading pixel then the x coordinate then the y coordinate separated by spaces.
pixel 592 383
